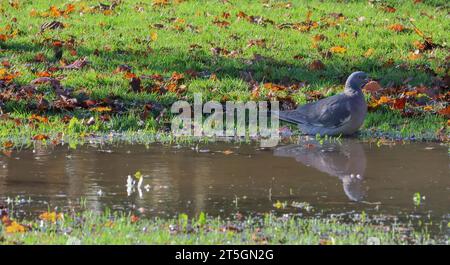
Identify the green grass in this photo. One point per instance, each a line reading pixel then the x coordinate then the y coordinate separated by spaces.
pixel 124 36
pixel 115 228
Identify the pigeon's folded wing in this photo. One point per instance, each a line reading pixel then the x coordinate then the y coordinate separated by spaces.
pixel 331 112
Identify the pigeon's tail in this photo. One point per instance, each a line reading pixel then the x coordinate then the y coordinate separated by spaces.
pixel 289 116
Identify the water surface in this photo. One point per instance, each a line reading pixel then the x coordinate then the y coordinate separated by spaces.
pixel 221 179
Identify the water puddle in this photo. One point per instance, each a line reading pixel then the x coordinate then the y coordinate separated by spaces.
pixel 402 181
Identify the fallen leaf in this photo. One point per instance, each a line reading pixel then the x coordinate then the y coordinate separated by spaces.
pixel 35 117
pixel 8 144
pixel 428 108
pixel 445 111
pixel 369 52
pixel 51 216
pixel 15 227
pixel 396 27
pixel 399 103
pixel 40 137
pixel 338 49
pixel 78 64
pixel 101 109
pixel 134 218
pixel 372 86
pixel 227 152
pixel 316 65
pixel 154 36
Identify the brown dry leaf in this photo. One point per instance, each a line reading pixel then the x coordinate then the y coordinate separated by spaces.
pixel 256 42
pixel 35 117
pixel 372 86
pixel 160 2
pixel 78 64
pixel 135 84
pixel 176 76
pixel 389 9
pixel 399 103
pixel 445 112
pixel 8 144
pixel 44 74
pixel 316 65
pixel 154 36
pixel 274 87
pixel 40 57
pixel 134 218
pixel 40 137
pixel 396 27
pixel 414 55
pixel 122 68
pixel 318 37
pixel 221 23
pixel 227 152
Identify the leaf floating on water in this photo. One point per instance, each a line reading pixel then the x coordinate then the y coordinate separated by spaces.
pixel 280 205
pixel 227 152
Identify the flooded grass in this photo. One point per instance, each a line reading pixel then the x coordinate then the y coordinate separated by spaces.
pixel 317 190
pixel 115 228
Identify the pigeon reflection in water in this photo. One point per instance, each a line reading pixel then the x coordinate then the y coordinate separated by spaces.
pixel 345 160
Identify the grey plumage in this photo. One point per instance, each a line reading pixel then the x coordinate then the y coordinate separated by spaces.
pixel 346 160
pixel 340 114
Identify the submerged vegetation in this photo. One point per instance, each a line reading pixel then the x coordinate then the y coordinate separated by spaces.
pixel 115 228
pixel 78 68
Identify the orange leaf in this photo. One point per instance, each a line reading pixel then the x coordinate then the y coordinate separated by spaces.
pixel 318 37
pixel 101 109
pixel 129 75
pixel 399 103
pixel 51 216
pixel 445 112
pixel 35 117
pixel 44 74
pixel 389 9
pixel 40 137
pixel 414 56
pixel 15 228
pixel 176 76
pixel 8 144
pixel 54 11
pixel 384 100
pixel 273 87
pixel 338 49
pixel 396 27
pixel 369 52
pixel 134 218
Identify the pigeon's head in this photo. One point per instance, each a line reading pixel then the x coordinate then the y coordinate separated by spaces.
pixel 356 81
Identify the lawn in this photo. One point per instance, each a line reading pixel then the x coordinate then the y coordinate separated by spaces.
pixel 80 67
pixel 117 228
